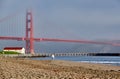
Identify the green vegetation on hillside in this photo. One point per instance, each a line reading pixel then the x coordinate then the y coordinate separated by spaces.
pixel 8 52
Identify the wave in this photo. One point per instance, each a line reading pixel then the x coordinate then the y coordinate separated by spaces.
pixel 103 62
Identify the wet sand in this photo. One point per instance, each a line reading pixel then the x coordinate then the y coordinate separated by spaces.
pixel 16 68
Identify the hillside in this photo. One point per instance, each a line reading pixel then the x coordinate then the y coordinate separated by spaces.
pixel 54 47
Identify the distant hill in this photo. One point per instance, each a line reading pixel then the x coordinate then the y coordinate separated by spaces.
pixel 55 47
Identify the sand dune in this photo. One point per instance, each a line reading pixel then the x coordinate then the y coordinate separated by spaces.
pixel 13 68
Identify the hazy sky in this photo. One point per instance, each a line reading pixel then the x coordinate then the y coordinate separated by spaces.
pixel 70 19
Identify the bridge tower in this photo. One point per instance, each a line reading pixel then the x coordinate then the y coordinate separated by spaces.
pixel 29 32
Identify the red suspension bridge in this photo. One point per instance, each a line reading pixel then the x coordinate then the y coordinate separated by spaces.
pixel 30 39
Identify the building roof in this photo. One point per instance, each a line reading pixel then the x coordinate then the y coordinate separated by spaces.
pixel 13 48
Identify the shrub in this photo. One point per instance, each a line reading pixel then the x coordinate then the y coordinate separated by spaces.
pixel 9 52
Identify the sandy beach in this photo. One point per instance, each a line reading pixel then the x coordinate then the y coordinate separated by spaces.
pixel 16 68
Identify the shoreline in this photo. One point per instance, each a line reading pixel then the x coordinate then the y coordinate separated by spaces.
pixel 85 59
pixel 20 68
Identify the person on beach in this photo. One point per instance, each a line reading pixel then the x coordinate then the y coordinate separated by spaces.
pixel 53 56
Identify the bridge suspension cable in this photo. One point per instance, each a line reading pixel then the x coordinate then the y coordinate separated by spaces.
pixel 11 26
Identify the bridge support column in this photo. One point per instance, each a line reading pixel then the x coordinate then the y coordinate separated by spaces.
pixel 29 33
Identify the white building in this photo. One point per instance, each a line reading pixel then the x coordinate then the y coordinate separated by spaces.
pixel 15 49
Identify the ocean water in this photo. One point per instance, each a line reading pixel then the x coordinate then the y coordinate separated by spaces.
pixel 113 60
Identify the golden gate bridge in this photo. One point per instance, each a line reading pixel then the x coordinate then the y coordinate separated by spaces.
pixel 30 39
